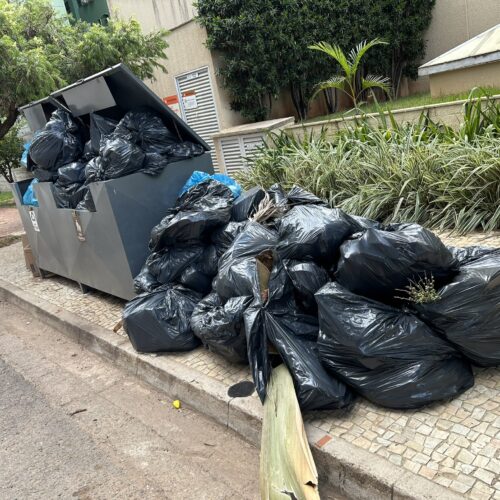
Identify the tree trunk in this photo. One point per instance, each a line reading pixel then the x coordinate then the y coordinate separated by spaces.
pixel 9 121
pixel 331 100
pixel 397 72
pixel 6 172
pixel 299 101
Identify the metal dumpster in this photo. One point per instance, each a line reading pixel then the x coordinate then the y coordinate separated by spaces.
pixel 105 249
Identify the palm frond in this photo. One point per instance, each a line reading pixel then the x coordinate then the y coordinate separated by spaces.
pixel 376 82
pixel 356 54
pixel 335 52
pixel 335 82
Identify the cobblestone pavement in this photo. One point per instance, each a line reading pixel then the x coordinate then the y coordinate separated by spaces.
pixel 10 222
pixel 456 444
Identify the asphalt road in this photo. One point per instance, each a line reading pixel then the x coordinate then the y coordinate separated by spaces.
pixel 72 426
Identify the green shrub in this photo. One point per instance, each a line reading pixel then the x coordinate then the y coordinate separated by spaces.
pixel 425 173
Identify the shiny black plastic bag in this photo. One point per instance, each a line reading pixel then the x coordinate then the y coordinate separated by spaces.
pixel 220 326
pixel 311 232
pixel 386 354
pixel 71 173
pixel 87 202
pixel 147 130
pixel 45 175
pixel 160 321
pixel 379 264
pixel 166 266
pixel 154 164
pixel 466 255
pixel 100 127
pixel 237 274
pixel 58 143
pixel 307 279
pixel 205 207
pixel 93 170
pixel 365 223
pixel 198 276
pixel 223 237
pixel 183 151
pixel 68 196
pixel 119 157
pixel 467 313
pixel 246 204
pixel 145 281
pixel 299 196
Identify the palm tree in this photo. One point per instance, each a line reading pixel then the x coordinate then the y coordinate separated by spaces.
pixel 351 82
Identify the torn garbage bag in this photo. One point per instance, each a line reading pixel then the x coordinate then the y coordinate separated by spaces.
pixel 119 157
pixel 198 212
pixel 386 354
pixel 160 321
pixel 238 267
pixel 246 204
pixel 273 318
pixel 310 232
pixel 378 264
pixel 467 312
pixel 220 326
pixel 58 143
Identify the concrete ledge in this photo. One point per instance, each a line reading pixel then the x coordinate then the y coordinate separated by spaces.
pixel 342 466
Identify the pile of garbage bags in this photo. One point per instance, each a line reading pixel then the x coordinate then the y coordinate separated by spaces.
pixel 349 305
pixel 72 154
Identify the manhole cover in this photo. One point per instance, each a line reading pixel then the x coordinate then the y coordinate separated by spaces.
pixel 241 389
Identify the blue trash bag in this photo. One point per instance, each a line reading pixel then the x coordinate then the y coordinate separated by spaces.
pixel 24 156
pixel 29 197
pixel 197 177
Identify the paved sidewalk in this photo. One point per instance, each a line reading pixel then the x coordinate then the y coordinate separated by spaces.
pixel 10 222
pixel 456 444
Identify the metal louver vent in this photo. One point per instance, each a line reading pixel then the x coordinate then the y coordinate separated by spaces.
pixel 235 149
pixel 198 105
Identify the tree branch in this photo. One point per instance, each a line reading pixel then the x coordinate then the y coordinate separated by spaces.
pixel 9 121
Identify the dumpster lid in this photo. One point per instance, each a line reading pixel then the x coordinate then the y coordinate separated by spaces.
pixel 117 85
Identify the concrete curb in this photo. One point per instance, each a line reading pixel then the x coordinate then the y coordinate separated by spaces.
pixel 342 466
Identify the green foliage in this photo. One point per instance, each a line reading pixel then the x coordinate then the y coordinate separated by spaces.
pixel 41 51
pixel 422 291
pixel 11 148
pixel 425 172
pixel 351 82
pixel 264 44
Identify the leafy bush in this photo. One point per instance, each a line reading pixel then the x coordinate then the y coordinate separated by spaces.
pixel 425 172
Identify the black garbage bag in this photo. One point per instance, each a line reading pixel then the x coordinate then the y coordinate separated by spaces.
pixel 198 212
pixel 71 174
pixel 184 151
pixel 311 232
pixel 87 202
pixel 466 255
pixel 93 171
pixel 307 278
pixel 277 195
pixel 299 196
pixel 365 223
pixel 237 276
pixel 145 282
pixel 198 276
pixel 58 143
pixel 160 321
pixel 246 204
pixel 386 354
pixel 467 313
pixel 220 326
pixel 68 196
pixel 119 157
pixel 167 265
pixel 274 318
pixel 378 264
pixel 88 152
pixel 147 130
pixel 154 163
pixel 45 175
pixel 100 127
pixel 223 237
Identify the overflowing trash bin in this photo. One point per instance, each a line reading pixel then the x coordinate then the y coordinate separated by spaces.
pixel 109 159
pixel 349 305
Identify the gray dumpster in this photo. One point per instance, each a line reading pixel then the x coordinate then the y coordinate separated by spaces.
pixel 105 249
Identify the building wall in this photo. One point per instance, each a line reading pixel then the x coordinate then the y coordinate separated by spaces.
pixel 461 80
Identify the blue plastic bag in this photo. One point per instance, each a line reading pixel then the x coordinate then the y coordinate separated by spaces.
pixel 24 156
pixel 197 177
pixel 29 197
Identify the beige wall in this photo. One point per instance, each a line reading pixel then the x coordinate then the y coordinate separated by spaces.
pixel 461 80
